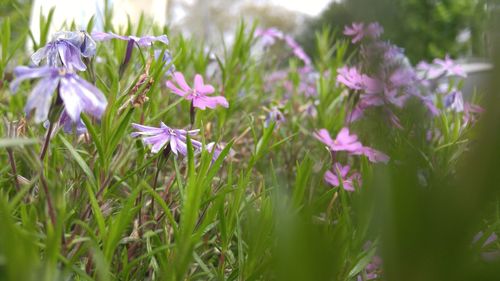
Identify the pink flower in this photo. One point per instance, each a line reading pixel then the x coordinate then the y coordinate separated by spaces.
pixel 268 36
pixel 297 50
pixel 347 142
pixel 358 31
pixel 198 95
pixel 373 155
pixel 339 175
pixel 343 142
pixel 353 79
pixel 350 77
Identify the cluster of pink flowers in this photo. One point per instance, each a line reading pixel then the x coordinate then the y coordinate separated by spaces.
pixel 347 142
pixel 391 79
pixel 385 77
pixel 271 35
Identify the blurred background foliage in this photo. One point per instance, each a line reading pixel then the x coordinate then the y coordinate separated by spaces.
pixel 424 28
pixel 18 11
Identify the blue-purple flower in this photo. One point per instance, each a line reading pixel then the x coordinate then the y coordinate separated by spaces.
pixel 141 41
pixel 76 94
pixel 131 41
pixel 68 125
pixel 158 138
pixel 454 101
pixel 167 59
pixel 66 49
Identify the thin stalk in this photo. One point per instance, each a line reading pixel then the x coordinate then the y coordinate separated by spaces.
pixel 50 206
pixel 162 159
pixel 45 147
pixel 192 114
pixel 47 141
pixel 12 161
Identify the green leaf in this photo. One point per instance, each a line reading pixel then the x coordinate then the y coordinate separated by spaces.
pixel 16 142
pixel 79 160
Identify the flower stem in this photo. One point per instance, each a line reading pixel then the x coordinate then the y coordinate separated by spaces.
pixel 50 206
pixel 12 161
pixel 161 160
pixel 45 147
pixel 192 114
pixel 47 141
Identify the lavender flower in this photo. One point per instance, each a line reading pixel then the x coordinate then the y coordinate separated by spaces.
pixel 167 58
pixel 76 94
pixel 217 148
pixel 339 174
pixel 274 115
pixel 454 101
pixel 69 126
pixel 131 41
pixel 197 95
pixel 440 68
pixel 164 135
pixel 140 41
pixel 66 49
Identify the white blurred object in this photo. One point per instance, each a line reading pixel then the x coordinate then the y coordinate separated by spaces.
pixel 80 11
pixel 310 7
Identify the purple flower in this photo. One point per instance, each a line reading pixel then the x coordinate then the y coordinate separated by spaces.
pixel 198 95
pixel 268 36
pixel 131 41
pixel 338 175
pixel 358 31
pixel 68 125
pixel 274 115
pixel 374 30
pixel 217 148
pixel 439 68
pixel 66 49
pixel 454 101
pixel 343 142
pixel 80 39
pixel 159 137
pixel 140 41
pixel 76 94
pixel 167 59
